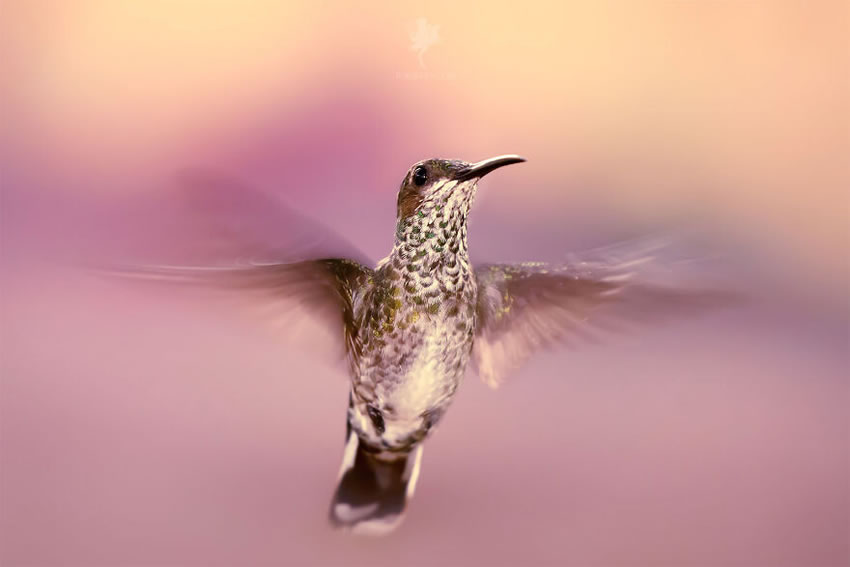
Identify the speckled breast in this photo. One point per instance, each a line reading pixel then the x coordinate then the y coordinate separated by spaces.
pixel 415 333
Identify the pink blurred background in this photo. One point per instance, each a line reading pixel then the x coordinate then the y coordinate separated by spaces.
pixel 151 429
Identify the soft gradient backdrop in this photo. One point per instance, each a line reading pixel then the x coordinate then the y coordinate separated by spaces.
pixel 147 429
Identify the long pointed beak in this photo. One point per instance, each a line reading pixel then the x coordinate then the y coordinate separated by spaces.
pixel 484 167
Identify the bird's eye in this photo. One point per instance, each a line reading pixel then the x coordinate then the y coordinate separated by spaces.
pixel 377 418
pixel 420 175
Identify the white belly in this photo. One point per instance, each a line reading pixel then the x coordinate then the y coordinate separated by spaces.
pixel 432 378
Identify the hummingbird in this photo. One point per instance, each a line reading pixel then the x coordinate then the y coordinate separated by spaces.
pixel 411 326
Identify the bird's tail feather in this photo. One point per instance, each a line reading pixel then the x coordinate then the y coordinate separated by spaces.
pixel 373 491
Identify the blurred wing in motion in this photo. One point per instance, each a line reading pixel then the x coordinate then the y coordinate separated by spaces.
pixel 532 306
pixel 240 222
pixel 231 237
pixel 322 289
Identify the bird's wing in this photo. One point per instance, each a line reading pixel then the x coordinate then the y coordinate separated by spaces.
pixel 240 221
pixel 322 289
pixel 523 308
pixel 233 237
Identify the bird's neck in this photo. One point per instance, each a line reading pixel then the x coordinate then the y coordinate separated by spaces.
pixel 430 253
pixel 425 241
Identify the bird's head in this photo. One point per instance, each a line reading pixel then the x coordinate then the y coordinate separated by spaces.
pixel 436 194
